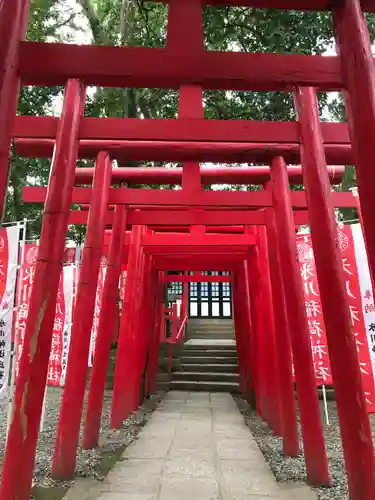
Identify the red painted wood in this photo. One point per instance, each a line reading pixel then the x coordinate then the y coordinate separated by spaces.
pixel 23 432
pixel 167 151
pixel 154 349
pixel 239 250
pixel 346 373
pixel 144 321
pixel 354 45
pixel 107 322
pixel 245 293
pixel 240 338
pixel 187 229
pixel 242 318
pixel 182 129
pixel 283 346
pixel 127 342
pixel 52 63
pixel 150 318
pixel 197 279
pixel 256 321
pixel 185 37
pixel 192 240
pixel 185 29
pixel 179 218
pixel 217 175
pixel 152 364
pixel 270 398
pixel 13 23
pixel 154 197
pixel 184 219
pixel 67 435
pixel 256 305
pixel 312 432
pixel 178 198
pixel 193 263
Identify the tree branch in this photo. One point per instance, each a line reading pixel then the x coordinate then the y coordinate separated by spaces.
pixel 123 20
pixel 93 19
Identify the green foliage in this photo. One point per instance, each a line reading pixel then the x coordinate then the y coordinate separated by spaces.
pixel 141 23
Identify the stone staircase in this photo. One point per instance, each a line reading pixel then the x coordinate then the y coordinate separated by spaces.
pixel 210 329
pixel 208 360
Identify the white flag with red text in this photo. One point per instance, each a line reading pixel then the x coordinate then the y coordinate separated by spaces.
pixel 358 289
pixel 9 239
pixel 63 318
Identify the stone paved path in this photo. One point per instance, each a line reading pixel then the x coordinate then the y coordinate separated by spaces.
pixel 196 446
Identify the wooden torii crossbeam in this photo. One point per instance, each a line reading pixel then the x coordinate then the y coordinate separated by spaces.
pixel 208 175
pixel 266 278
pixel 178 151
pixel 251 200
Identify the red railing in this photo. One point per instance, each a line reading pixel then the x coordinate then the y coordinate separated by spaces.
pixel 181 331
pixel 178 321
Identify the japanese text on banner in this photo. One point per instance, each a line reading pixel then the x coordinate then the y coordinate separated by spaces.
pixel 63 318
pixel 9 239
pixel 314 311
pixel 98 299
pixel 25 284
pixel 346 244
pixel 367 293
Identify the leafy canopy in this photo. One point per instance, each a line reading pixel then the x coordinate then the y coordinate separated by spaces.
pixel 136 22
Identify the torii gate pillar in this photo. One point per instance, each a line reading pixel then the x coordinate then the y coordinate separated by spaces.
pixel 13 25
pixel 357 65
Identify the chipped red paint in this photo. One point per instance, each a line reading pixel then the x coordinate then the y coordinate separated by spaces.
pixel 248 233
pixel 23 433
pixel 107 321
pixel 346 373
pixel 312 430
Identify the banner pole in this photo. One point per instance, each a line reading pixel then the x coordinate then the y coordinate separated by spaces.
pixel 16 328
pixel 325 404
pixel 42 418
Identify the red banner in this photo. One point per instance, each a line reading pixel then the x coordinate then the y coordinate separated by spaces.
pixel 315 314
pixel 69 256
pixel 55 359
pixel 25 283
pixel 9 238
pixel 314 311
pixel 98 300
pixel 62 322
pixel 346 244
pixel 123 274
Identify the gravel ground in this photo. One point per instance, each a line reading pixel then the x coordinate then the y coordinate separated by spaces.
pixel 293 469
pixel 89 462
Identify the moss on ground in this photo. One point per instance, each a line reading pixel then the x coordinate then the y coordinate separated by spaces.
pixel 52 493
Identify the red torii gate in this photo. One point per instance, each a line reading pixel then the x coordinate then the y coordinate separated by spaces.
pixel 52 64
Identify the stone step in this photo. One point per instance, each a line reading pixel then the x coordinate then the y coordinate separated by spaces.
pixel 229 360
pixel 216 335
pixel 210 326
pixel 206 376
pixel 210 329
pixel 182 385
pixel 211 321
pixel 229 353
pixel 203 346
pixel 195 367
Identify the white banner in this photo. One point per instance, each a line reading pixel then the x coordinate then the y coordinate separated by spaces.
pixel 98 300
pixel 69 277
pixel 8 273
pixel 366 289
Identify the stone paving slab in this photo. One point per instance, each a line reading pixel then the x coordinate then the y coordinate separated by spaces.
pixel 196 446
